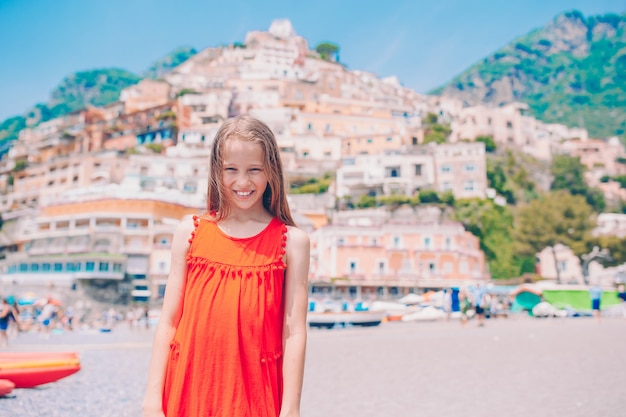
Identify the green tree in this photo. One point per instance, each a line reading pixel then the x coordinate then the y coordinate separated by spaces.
pixel 328 51
pixel 556 217
pixel 10 128
pixel 20 165
pixel 490 144
pixel 304 185
pixel 366 201
pixel 493 225
pixel 428 196
pixel 434 131
pixel 616 246
pixel 569 174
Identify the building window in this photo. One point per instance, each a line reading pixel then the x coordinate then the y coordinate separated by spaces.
pixel 103 267
pixel 446 186
pixel 34 267
pixel 463 269
pixel 446 169
pixel 352 265
pixel 396 242
pixel 392 172
pixel 90 266
pixel 432 268
pixel 381 267
pixel 418 170
pixel 427 242
pixel 45 267
pixel 58 267
pixel 374 242
pixel 509 125
pixel 469 186
pixel 448 243
pixel 562 266
pixel 117 267
pixel 414 141
pixel 447 267
pixel 470 167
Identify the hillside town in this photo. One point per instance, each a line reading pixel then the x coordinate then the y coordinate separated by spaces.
pixel 90 200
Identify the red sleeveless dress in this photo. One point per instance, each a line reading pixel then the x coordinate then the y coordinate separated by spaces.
pixel 226 356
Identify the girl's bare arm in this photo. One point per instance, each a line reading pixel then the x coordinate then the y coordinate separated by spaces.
pixel 294 330
pixel 170 315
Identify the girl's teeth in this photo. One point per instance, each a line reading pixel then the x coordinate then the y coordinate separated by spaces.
pixel 243 194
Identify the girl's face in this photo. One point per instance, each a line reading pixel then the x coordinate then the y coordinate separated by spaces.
pixel 243 175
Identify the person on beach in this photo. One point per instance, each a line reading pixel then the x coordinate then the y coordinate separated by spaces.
pixel 14 318
pixel 621 294
pixel 232 333
pixel 5 316
pixel 465 305
pixel 595 293
pixel 479 304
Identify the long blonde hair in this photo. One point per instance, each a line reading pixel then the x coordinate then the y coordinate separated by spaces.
pixel 252 130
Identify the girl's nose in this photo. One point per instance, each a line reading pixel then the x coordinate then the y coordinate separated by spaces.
pixel 243 180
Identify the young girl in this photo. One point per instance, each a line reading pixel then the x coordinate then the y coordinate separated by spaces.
pixel 232 333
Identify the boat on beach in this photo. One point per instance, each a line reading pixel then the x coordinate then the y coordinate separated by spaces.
pixel 31 369
pixel 332 319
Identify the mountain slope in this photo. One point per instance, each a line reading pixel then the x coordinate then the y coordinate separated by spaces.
pixel 97 87
pixel 572 71
pixel 170 61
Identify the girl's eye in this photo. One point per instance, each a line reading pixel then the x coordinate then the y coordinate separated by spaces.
pixel 231 169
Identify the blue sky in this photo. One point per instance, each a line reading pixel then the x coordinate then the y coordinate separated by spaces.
pixel 424 43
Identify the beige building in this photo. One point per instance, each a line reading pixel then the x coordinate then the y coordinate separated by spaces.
pixel 393 257
pixel 384 174
pixel 601 157
pixel 144 95
pixel 48 180
pixel 568 264
pixel 511 126
pixel 104 242
pixel 460 168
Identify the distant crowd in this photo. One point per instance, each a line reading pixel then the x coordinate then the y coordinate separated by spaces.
pixel 48 315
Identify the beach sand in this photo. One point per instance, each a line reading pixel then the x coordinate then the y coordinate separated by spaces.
pixel 511 367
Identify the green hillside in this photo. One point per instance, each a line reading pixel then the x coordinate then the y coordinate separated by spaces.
pixel 572 71
pixel 170 61
pixel 97 87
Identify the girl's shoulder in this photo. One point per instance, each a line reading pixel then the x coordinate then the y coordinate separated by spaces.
pixel 297 237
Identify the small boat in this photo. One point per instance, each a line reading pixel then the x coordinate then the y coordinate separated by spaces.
pixel 24 356
pixel 28 370
pixel 6 387
pixel 329 320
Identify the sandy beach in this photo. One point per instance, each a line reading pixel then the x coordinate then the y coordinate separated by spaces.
pixel 511 367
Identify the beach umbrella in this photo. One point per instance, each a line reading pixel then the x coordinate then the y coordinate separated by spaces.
pixel 27 300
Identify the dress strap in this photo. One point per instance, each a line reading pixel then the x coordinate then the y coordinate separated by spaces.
pixel 195 227
pixel 283 246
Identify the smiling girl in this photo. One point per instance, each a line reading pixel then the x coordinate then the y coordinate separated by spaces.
pixel 232 334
